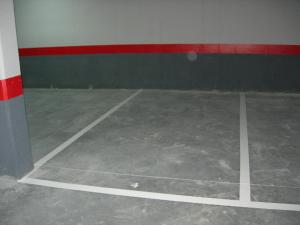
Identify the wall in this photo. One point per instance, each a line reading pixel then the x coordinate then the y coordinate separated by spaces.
pixel 43 23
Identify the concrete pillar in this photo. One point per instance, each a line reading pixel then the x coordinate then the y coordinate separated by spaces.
pixel 15 151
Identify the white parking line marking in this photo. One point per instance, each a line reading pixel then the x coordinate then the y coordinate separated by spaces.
pixel 245 190
pixel 162 196
pixel 245 195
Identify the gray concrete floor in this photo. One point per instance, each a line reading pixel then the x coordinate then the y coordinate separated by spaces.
pixel 274 131
pixel 33 205
pixel 56 115
pixel 175 142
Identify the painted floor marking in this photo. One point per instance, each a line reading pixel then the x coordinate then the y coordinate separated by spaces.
pixel 245 190
pixel 245 195
pixel 68 142
pixel 162 196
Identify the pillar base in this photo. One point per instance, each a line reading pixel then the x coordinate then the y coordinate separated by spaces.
pixel 15 150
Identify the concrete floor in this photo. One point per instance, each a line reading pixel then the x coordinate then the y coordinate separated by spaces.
pixel 33 205
pixel 173 142
pixel 54 116
pixel 274 131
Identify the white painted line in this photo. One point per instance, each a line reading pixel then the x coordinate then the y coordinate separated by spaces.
pixel 162 196
pixel 245 189
pixel 68 142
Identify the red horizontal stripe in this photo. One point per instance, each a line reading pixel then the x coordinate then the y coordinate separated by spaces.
pixel 165 48
pixel 11 88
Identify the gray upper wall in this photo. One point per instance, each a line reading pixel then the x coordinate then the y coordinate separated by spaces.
pixel 92 22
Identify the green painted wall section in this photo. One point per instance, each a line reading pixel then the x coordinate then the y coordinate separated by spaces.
pixel 164 71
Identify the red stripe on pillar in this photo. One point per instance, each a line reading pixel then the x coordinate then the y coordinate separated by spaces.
pixel 165 48
pixel 11 88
